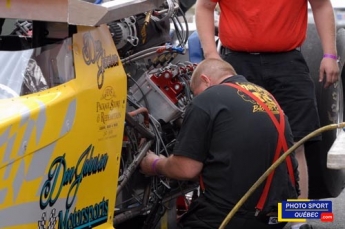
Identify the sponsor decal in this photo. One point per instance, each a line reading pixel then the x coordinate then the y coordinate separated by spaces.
pixel 94 53
pixel 59 177
pixel 108 112
pixel 108 93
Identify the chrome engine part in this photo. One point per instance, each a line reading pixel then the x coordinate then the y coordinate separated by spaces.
pixel 166 90
pixel 124 32
pixel 158 93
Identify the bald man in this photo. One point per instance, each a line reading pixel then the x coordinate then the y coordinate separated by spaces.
pixel 229 140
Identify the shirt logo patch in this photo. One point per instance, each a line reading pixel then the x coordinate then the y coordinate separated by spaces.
pixel 262 94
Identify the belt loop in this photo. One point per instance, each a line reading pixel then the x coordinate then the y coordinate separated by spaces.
pixel 225 50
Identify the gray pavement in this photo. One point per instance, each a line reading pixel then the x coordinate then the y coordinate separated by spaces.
pixel 338 205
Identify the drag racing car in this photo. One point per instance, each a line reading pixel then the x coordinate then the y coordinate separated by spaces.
pixel 86 89
pixel 82 99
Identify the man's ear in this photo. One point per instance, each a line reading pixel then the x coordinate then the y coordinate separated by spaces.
pixel 205 79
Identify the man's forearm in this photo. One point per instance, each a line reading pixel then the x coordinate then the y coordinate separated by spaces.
pixel 174 168
pixel 325 24
pixel 204 15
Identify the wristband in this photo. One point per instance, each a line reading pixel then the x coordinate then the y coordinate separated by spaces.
pixel 334 57
pixel 153 166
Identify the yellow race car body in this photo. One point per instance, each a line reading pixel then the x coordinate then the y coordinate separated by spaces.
pixel 60 147
pixel 73 130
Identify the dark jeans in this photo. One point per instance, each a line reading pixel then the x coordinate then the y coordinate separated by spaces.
pixel 2 21
pixel 205 215
pixel 242 223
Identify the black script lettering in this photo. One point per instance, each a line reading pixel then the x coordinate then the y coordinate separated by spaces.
pixel 78 177
pixel 93 53
pixel 48 194
pixel 68 176
pixel 86 166
pixel 63 220
pixel 90 216
pixel 59 175
pixel 95 165
pixel 89 51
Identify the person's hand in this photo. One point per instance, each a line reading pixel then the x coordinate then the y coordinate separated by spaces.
pixel 213 55
pixel 329 68
pixel 147 162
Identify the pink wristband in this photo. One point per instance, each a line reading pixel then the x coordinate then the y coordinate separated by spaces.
pixel 334 57
pixel 153 166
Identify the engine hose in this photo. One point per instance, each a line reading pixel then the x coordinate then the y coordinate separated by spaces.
pixel 142 130
pixel 143 52
pixel 144 112
pixel 133 166
pixel 274 166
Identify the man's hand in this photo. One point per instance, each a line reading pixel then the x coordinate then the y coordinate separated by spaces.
pixel 213 55
pixel 147 162
pixel 329 68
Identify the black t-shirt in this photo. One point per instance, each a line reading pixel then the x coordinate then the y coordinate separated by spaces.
pixel 236 140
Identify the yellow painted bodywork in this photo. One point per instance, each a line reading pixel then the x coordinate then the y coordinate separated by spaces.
pixel 60 148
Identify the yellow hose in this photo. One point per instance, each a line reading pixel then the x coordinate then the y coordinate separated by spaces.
pixel 274 166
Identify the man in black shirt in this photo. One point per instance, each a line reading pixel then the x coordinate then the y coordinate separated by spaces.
pixel 230 140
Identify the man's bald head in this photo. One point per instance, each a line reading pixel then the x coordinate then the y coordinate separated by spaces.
pixel 210 72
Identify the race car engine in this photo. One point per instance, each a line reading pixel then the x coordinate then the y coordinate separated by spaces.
pixel 166 90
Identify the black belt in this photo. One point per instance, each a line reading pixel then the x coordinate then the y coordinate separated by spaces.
pixel 225 51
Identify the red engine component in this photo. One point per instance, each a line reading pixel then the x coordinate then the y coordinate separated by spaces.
pixel 168 84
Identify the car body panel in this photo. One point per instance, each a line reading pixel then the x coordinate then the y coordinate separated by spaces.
pixel 59 147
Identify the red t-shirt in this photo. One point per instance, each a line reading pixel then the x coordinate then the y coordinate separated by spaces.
pixel 262 25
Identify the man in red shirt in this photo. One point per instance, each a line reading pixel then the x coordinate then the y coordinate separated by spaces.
pixel 262 39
